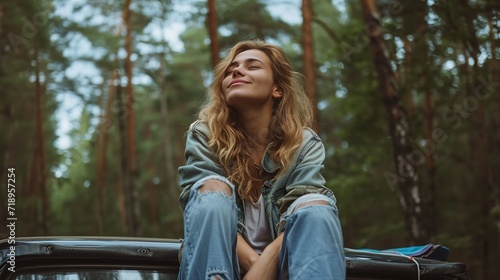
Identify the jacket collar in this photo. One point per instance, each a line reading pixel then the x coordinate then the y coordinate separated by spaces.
pixel 268 164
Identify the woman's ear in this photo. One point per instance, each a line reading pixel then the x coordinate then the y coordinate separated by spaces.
pixel 277 93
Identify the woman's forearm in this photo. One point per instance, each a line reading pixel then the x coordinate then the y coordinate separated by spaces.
pixel 246 255
pixel 266 266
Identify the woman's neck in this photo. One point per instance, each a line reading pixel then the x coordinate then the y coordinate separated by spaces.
pixel 257 129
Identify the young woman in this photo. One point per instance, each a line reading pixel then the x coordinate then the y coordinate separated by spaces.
pixel 253 196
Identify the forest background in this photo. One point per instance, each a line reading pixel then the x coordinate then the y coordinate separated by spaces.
pixel 96 97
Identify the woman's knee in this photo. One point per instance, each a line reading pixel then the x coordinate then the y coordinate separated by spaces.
pixel 312 203
pixel 213 197
pixel 316 210
pixel 215 185
pixel 213 203
pixel 311 200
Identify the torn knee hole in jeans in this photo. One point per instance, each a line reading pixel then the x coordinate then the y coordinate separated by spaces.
pixel 311 203
pixel 215 185
pixel 217 274
pixel 218 277
pixel 228 194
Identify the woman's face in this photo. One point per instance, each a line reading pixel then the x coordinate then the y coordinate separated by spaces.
pixel 248 82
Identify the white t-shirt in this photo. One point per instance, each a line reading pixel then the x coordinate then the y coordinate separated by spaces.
pixel 257 232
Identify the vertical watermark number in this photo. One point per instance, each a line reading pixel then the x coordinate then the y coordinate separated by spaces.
pixel 11 217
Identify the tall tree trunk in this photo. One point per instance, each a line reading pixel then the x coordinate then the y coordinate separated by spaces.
pixel 480 147
pixel 406 77
pixel 120 188
pixel 425 85
pixel 173 189
pixel 122 166
pixel 102 146
pixel 131 159
pixel 1 17
pixel 123 184
pixel 153 205
pixel 482 175
pixel 41 145
pixel 430 193
pixel 103 139
pixel 212 31
pixel 308 59
pixel 493 176
pixel 408 191
pixel 31 190
pixel 99 202
pixel 167 144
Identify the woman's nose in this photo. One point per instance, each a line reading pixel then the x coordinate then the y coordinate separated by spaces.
pixel 238 72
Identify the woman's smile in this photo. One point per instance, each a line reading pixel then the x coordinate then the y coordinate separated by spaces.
pixel 249 82
pixel 238 82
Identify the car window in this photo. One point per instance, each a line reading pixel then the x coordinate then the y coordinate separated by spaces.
pixel 97 275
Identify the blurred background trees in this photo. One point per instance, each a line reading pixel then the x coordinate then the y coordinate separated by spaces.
pixel 95 98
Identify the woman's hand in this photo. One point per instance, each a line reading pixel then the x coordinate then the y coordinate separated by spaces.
pixel 266 265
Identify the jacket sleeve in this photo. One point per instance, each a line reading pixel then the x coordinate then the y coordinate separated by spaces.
pixel 200 160
pixel 305 177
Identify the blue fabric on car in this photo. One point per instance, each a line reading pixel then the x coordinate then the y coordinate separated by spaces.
pixel 428 251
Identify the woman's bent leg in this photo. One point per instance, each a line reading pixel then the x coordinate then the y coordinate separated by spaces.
pixel 312 246
pixel 210 228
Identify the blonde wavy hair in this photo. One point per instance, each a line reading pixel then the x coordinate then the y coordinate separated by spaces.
pixel 292 112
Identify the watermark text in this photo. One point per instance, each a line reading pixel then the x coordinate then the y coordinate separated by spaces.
pixel 11 218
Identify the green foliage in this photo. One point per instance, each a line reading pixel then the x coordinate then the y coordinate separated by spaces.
pixel 443 49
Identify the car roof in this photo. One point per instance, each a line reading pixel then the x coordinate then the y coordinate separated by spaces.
pixel 104 248
pixel 159 253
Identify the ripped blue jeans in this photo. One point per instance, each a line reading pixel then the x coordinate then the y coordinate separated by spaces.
pixel 312 246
